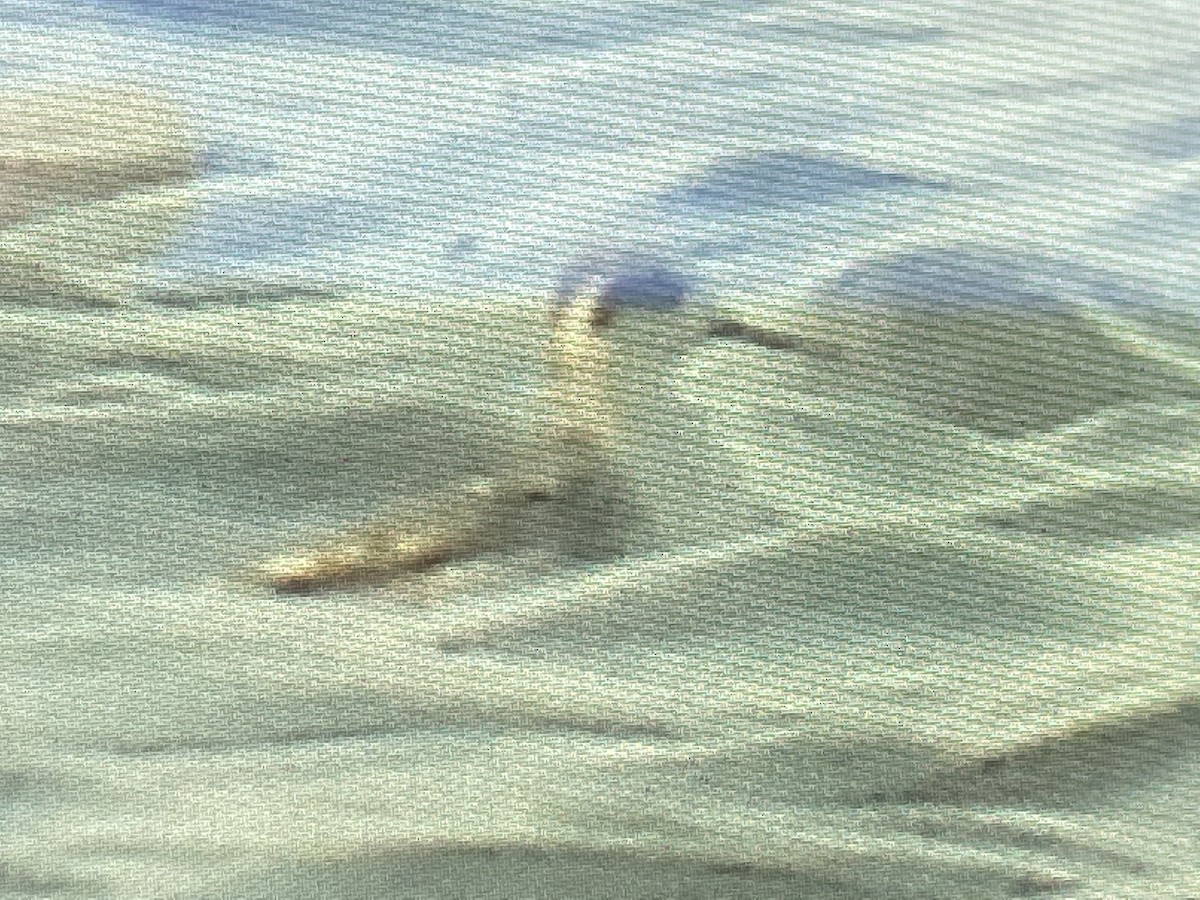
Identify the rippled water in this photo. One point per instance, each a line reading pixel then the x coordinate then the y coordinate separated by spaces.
pixel 910 612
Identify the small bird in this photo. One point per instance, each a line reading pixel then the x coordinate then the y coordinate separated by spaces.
pixel 604 326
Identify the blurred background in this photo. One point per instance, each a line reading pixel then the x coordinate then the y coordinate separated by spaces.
pixel 916 615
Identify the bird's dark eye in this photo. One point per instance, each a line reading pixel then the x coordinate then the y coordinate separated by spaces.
pixel 603 316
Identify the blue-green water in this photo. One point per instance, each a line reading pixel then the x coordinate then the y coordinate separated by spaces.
pixel 910 612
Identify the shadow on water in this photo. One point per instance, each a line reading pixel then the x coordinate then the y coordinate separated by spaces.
pixel 492 872
pixel 1081 769
pixel 782 180
pixel 1073 770
pixel 1100 516
pixel 474 872
pixel 994 343
pixel 128 507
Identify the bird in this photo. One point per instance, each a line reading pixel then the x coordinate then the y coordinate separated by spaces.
pixel 605 318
